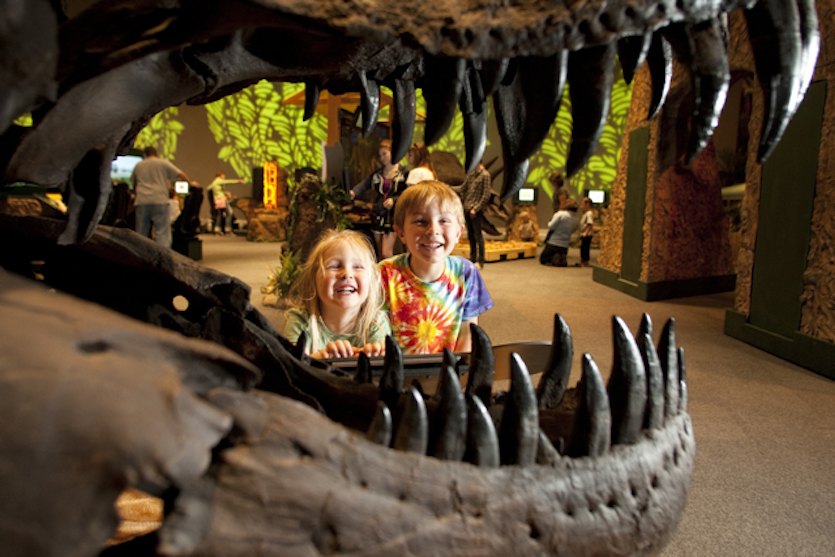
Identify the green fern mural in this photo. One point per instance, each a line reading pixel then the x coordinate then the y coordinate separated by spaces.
pixel 601 169
pixel 162 132
pixel 253 126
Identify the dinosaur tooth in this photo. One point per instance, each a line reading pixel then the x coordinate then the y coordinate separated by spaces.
pixel 391 382
pixel 644 328
pixel 379 431
pixel 519 428
pixel 363 373
pixel 492 73
pixel 590 79
pixel 311 99
pixel 90 189
pixel 554 380
pixel 542 82
pixel 774 29
pixel 403 118
pixel 511 111
pixel 474 111
pixel 297 351
pixel 682 379
pixel 654 417
pixel 482 441
pixel 369 104
pixel 669 367
pixel 413 429
pixel 482 366
pixel 627 386
pixel 711 79
pixel 546 454
pixel 660 64
pixel 809 47
pixel 442 86
pixel 632 51
pixel 447 437
pixel 593 427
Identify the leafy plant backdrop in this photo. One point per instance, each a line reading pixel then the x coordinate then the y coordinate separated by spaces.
pixel 253 126
pixel 162 132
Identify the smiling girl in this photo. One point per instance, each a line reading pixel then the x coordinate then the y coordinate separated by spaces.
pixel 338 299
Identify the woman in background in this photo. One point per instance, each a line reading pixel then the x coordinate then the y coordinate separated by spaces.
pixel 220 199
pixel 388 181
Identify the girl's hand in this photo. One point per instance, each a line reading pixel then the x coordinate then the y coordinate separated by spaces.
pixel 388 203
pixel 335 349
pixel 374 349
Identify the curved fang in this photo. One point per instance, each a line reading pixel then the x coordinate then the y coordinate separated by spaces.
pixel 413 430
pixel 632 51
pixel 554 380
pixel 369 104
pixel 660 64
pixel 441 89
pixel 711 79
pixel 403 118
pixel 519 429
pixel 590 78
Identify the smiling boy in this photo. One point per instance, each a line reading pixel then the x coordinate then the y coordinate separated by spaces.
pixel 432 297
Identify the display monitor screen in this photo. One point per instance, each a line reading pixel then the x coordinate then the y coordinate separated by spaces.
pixel 597 196
pixel 181 187
pixel 122 167
pixel 527 195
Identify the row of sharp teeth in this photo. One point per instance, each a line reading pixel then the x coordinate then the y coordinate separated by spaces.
pixel 647 385
pixel 527 91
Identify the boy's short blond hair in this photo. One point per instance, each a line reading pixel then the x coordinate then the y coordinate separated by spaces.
pixel 422 194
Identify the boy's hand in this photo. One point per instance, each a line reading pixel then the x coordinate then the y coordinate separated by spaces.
pixel 388 203
pixel 335 349
pixel 374 349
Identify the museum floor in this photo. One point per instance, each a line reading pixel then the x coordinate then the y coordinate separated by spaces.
pixel 764 481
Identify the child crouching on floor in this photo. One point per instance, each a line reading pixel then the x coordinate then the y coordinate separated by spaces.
pixel 338 299
pixel 432 296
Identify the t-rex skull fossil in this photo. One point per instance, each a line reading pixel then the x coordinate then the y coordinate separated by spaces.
pixel 583 472
pixel 159 53
pixel 592 470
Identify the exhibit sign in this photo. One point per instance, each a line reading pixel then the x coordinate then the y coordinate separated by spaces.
pixel 270 185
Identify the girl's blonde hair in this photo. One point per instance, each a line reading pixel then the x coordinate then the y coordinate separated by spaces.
pixel 303 293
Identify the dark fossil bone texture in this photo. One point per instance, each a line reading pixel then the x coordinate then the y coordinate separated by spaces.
pixel 593 470
pixel 116 403
pixel 131 59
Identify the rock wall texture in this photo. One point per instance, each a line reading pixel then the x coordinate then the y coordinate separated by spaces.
pixel 818 298
pixel 685 235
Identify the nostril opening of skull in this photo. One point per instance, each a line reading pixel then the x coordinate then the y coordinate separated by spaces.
pixel 606 20
pixel 629 12
pixel 680 5
pixel 661 9
pixel 584 27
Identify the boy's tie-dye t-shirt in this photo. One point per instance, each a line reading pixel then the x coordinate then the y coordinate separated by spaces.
pixel 427 316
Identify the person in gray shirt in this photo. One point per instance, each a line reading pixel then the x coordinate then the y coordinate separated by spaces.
pixel 560 228
pixel 151 181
